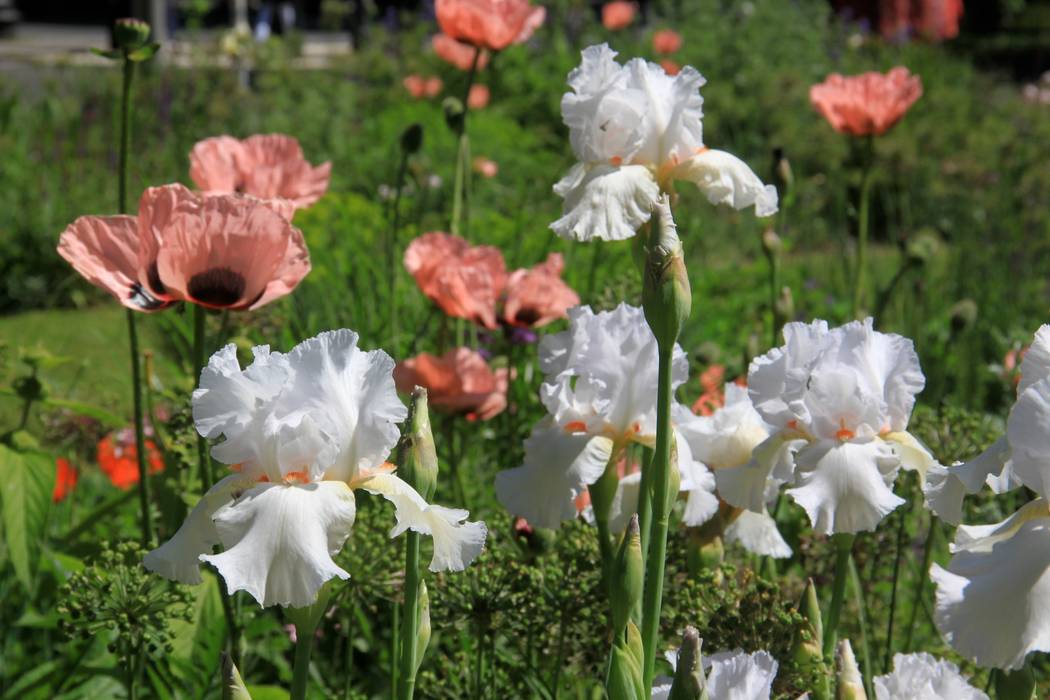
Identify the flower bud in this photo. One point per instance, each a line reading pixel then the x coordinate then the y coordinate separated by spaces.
pixel 454 113
pixel 771 243
pixel 1015 685
pixel 923 247
pixel 232 684
pixel 412 139
pixel 627 576
pixel 785 304
pixel 666 296
pixel 850 684
pixel 809 644
pixel 783 178
pixel 417 456
pixel 625 675
pixel 423 627
pixel 130 34
pixel 689 681
pixel 963 315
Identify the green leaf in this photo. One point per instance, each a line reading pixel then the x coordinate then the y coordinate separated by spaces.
pixel 85 409
pixel 267 692
pixel 113 54
pixel 197 642
pixel 145 53
pixel 26 482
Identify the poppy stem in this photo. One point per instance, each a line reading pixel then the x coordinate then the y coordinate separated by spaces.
pixel 203 460
pixel 460 185
pixel 860 263
pixel 659 506
pixel 844 548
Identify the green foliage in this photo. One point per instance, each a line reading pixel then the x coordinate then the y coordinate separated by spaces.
pixel 26 480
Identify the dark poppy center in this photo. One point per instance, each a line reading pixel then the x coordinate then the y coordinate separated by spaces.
pixel 527 316
pixel 153 279
pixel 219 286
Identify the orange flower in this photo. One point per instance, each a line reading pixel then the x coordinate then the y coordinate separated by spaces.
pixel 118 458
pixel 459 381
pixel 489 24
pixel 478 97
pixel 935 20
pixel 485 167
pixel 617 15
pixel 713 396
pixel 464 280
pixel 65 479
pixel 867 104
pixel 667 41
pixel 537 296
pixel 670 67
pixel 420 87
pixel 457 53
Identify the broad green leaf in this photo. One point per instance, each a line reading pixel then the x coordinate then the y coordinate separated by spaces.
pixel 144 53
pixel 198 641
pixel 85 409
pixel 267 692
pixel 26 482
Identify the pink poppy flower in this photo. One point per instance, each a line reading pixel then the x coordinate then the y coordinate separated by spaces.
pixel 670 67
pixel 485 167
pixel 539 295
pixel 489 24
pixel 867 104
pixel 459 381
pixel 478 97
pixel 464 280
pixel 267 166
pixel 667 41
pixel 457 53
pixel 618 15
pixel 224 251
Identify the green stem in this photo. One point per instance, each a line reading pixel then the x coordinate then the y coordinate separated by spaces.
pixel 410 618
pixel 459 205
pixel 125 135
pixel 860 266
pixel 660 508
pixel 865 650
pixel 844 545
pixel 203 459
pixel 145 515
pixel 927 554
pixel 233 630
pixel 395 650
pixel 888 656
pixel 304 643
pixel 391 245
pixel 774 295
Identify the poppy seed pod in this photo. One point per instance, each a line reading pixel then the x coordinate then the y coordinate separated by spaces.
pixel 130 34
pixel 412 139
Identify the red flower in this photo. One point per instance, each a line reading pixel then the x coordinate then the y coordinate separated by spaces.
pixel 65 479
pixel 118 458
pixel 617 15
pixel 868 104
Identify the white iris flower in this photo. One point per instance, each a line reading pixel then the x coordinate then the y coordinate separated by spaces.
pixel 924 677
pixel 731 675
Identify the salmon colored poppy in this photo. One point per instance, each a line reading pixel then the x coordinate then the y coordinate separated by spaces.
pixel 538 295
pixel 464 280
pixel 459 381
pixel 420 87
pixel 713 396
pixel 267 166
pixel 478 97
pixel 867 104
pixel 65 479
pixel 618 15
pixel 457 53
pixel 485 167
pixel 489 24
pixel 224 251
pixel 118 458
pixel 667 41
pixel 670 67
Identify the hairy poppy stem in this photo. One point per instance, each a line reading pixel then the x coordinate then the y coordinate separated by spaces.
pixel 861 262
pixel 461 186
pixel 203 459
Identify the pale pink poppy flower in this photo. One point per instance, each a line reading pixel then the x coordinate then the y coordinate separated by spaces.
pixel 478 97
pixel 224 251
pixel 267 166
pixel 539 295
pixel 460 381
pixel 618 15
pixel 867 104
pixel 667 41
pixel 670 67
pixel 485 167
pixel 457 53
pixel 464 280
pixel 489 24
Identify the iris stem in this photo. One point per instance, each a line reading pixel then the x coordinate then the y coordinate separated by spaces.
pixel 304 644
pixel 888 656
pixel 927 554
pixel 844 546
pixel 460 184
pixel 410 618
pixel 862 612
pixel 660 508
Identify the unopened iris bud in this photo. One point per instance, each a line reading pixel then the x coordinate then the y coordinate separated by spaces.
pixel 689 681
pixel 850 684
pixel 233 687
pixel 454 113
pixel 627 577
pixel 666 296
pixel 423 628
pixel 809 644
pixel 417 456
pixel 130 34
pixel 625 675
pixel 412 139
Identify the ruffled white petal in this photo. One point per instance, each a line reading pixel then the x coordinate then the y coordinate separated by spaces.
pixel 924 677
pixel 1035 366
pixel 758 533
pixel 178 559
pixel 767 376
pixel 350 394
pixel 671 127
pixel 558 467
pixel 725 179
pixel 727 437
pixel 280 539
pixel 846 486
pixel 608 203
pixel 1028 431
pixel 993 599
pixel 943 493
pixel 737 675
pixel 771 461
pixel 456 543
pixel 945 488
